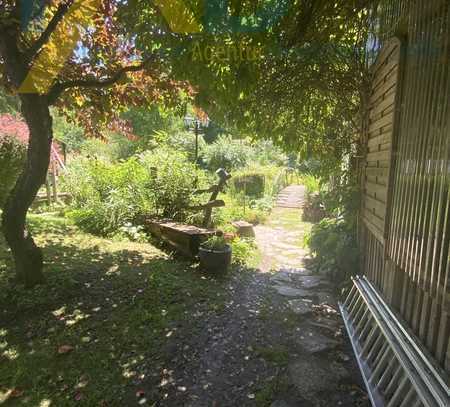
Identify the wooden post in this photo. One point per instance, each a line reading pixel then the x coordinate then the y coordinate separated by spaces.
pixel 55 188
pixel 49 193
pixel 196 140
pixel 223 177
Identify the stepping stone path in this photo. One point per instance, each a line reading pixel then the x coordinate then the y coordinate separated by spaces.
pixel 289 291
pixel 301 307
pixel 309 297
pixel 291 197
pixel 278 341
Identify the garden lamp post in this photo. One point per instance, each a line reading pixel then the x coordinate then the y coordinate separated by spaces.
pixel 197 125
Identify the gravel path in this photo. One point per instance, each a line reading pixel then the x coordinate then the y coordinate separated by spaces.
pixel 279 340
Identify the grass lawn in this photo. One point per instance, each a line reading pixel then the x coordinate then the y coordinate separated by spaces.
pixel 98 332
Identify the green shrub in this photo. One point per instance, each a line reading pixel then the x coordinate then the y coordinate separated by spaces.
pixel 113 148
pixel 234 210
pixel 274 177
pixel 333 243
pixel 172 182
pixel 243 250
pixel 266 154
pixel 226 153
pixel 184 141
pixel 250 184
pixel 278 182
pixel 215 243
pixel 313 208
pixel 311 183
pixel 12 156
pixel 263 204
pixel 108 197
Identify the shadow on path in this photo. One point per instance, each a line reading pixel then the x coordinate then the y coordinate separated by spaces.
pixel 279 340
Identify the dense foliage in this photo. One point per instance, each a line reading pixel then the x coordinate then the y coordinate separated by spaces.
pixel 333 240
pixel 109 196
pixel 296 77
pixel 12 156
pixel 227 153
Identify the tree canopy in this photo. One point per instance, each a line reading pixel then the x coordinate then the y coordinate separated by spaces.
pixel 294 75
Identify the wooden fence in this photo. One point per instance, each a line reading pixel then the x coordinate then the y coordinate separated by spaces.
pixel 405 209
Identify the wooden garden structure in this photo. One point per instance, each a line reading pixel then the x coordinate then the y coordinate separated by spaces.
pixel 186 239
pixel 405 171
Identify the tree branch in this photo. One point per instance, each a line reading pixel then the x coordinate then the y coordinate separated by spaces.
pixel 60 87
pixel 51 27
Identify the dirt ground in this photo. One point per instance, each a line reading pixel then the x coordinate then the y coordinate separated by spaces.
pixel 279 341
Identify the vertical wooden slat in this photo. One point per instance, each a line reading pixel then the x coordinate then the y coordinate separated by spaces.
pixel 412 268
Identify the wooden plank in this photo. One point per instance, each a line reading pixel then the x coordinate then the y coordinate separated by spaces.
pixel 416 311
pixel 374 118
pixel 421 205
pixel 380 139
pixel 384 106
pixel 376 234
pixel 379 181
pixel 381 131
pixel 390 48
pixel 389 86
pixel 375 225
pixel 376 207
pixel 410 301
pixel 446 364
pixel 379 155
pixel 377 171
pixel 384 92
pixel 376 191
pixel 379 164
pixel 425 317
pixel 443 341
pixel 390 90
pixel 374 148
pixel 382 122
pixel 382 64
pixel 418 226
pixel 433 330
pixel 184 238
pixel 381 83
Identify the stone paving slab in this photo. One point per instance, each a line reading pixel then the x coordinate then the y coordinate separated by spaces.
pixel 291 197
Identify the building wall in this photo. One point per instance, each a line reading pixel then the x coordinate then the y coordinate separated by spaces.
pixel 409 258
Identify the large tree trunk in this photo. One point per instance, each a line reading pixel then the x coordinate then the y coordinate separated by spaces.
pixel 27 256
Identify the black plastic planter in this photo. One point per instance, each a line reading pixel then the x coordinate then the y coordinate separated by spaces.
pixel 215 261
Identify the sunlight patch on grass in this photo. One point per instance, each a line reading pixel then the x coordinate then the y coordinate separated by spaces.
pixel 11 353
pixel 113 305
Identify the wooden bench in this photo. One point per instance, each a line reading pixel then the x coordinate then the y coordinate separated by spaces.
pixel 187 238
pixel 184 238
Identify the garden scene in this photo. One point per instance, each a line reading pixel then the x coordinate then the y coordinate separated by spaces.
pixel 189 194
pixel 124 318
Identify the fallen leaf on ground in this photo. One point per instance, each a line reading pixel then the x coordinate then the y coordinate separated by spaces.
pixel 16 393
pixel 63 349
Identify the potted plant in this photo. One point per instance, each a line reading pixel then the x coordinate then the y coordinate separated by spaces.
pixel 215 255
